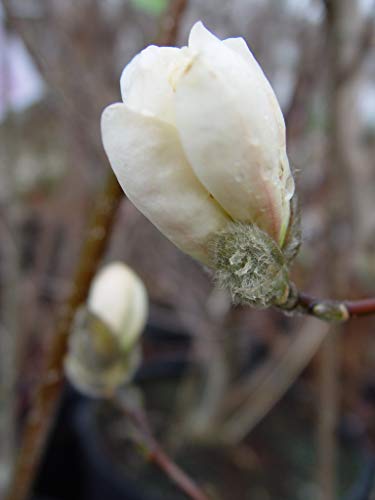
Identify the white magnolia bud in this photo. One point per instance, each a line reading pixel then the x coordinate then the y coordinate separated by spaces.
pixel 198 144
pixel 119 298
pixel 103 351
pixel 199 141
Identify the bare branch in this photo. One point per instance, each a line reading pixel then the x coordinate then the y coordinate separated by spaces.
pixel 335 310
pixel 157 455
pixel 366 42
pixel 48 393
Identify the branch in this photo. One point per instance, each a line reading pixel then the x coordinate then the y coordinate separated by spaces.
pixel 157 455
pixel 297 111
pixel 346 308
pixel 47 396
pixel 366 41
pixel 247 402
pixel 171 23
pixel 17 24
pixel 326 309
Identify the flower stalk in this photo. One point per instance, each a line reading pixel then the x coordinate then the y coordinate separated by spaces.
pixel 155 453
pixel 331 310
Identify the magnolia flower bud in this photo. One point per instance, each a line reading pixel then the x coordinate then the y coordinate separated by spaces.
pixel 199 142
pixel 103 352
pixel 119 298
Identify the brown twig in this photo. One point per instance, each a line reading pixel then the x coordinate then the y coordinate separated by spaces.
pixel 171 23
pixel 297 112
pixel 157 455
pixel 250 399
pixel 48 393
pixel 362 307
pixel 340 30
pixel 15 22
pixel 335 310
pixel 350 70
pixel 365 43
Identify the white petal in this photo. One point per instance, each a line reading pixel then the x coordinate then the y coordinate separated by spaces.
pixel 146 84
pixel 148 160
pixel 119 298
pixel 239 46
pixel 199 36
pixel 230 132
pixel 202 39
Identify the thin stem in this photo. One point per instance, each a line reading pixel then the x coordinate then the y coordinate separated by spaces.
pixel 360 307
pixel 158 456
pixel 335 310
pixel 327 309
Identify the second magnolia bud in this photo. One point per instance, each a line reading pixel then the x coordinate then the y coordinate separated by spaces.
pixel 103 347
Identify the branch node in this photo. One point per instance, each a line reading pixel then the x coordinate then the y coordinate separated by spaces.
pixel 335 312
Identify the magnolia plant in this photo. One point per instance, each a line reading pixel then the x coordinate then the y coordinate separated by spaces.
pixel 198 145
pixel 103 349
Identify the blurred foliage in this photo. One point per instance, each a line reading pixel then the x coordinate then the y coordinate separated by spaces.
pixel 155 7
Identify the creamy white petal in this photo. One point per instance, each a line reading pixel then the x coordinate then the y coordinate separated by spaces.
pixel 239 46
pixel 119 298
pixel 226 121
pixel 146 83
pixel 147 158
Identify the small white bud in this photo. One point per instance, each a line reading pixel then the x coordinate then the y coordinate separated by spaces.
pixel 103 351
pixel 119 298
